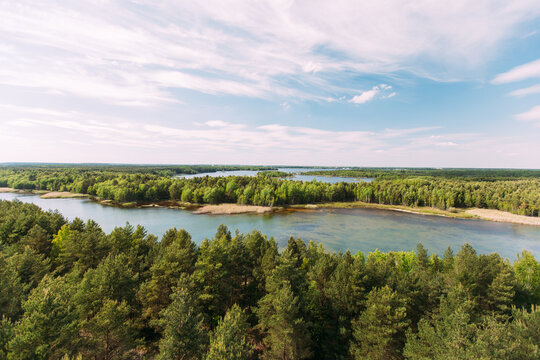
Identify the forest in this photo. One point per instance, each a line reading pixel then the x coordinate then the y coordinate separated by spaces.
pixel 517 191
pixel 463 173
pixel 70 291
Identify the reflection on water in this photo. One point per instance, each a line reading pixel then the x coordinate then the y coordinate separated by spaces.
pixel 336 229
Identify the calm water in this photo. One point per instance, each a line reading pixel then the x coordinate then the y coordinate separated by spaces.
pixel 295 171
pixel 353 229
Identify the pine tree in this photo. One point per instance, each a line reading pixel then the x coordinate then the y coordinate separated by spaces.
pixel 501 293
pixel 11 289
pixel 229 340
pixel 379 331
pixel 176 257
pixel 104 298
pixel 449 334
pixel 184 337
pixel 220 273
pixel 6 334
pixel 49 327
pixel 285 333
pixel 111 329
pixel 527 271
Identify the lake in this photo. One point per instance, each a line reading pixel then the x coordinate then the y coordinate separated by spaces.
pixel 337 229
pixel 294 171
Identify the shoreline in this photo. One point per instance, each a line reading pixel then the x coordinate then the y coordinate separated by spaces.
pixel 504 216
pixel 62 195
pixel 232 209
pixel 10 190
pixel 235 209
pixel 466 214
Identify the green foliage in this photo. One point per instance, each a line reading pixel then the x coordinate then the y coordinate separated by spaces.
pixel 379 331
pixel 527 272
pixel 6 334
pixel 11 289
pixel 517 191
pixel 454 336
pixel 229 340
pixel 110 331
pixel 49 326
pixel 274 174
pixel 68 290
pixel 176 258
pixel 184 336
pixel 285 332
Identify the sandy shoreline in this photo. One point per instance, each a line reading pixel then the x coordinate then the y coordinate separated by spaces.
pixel 231 209
pixel 8 190
pixel 482 214
pixel 503 216
pixel 62 195
pixel 44 194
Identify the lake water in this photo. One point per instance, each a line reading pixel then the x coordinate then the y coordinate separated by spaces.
pixel 295 171
pixel 337 230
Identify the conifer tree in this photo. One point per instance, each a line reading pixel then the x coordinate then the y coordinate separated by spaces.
pixel 527 271
pixel 176 257
pixel 285 333
pixel 184 337
pixel 6 334
pixel 378 332
pixel 229 340
pixel 112 330
pixel 501 293
pixel 49 326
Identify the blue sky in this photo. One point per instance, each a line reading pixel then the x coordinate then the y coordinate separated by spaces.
pixel 344 83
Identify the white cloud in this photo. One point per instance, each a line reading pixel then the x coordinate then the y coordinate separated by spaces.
pixel 134 54
pixel 365 96
pixel 532 115
pixel 381 91
pixel 535 89
pixel 446 143
pixel 84 137
pixel 522 72
pixel 217 134
pixel 312 67
pixel 216 123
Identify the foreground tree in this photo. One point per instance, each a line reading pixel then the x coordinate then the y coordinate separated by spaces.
pixel 378 332
pixel 184 337
pixel 229 340
pixel 452 335
pixel 49 327
pixel 286 336
pixel 177 257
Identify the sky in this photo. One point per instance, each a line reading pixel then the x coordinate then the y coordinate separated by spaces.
pixel 331 83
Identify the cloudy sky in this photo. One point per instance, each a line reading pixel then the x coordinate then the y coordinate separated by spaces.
pixel 360 83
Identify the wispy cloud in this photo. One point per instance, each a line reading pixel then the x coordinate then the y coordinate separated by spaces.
pixel 220 134
pixel 136 53
pixel 535 89
pixel 522 72
pixel 530 70
pixel 532 115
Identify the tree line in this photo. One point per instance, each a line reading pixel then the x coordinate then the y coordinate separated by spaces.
pixel 68 290
pixel 464 173
pixel 519 195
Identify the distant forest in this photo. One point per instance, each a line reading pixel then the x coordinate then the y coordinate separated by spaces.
pixel 517 191
pixel 70 291
pixel 468 174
